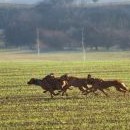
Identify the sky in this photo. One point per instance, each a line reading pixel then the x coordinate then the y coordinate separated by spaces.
pixel 35 1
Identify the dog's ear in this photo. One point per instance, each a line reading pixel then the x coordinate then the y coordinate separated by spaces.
pixel 66 74
pixel 89 76
pixel 51 74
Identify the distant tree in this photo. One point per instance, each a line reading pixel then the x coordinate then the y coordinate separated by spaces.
pixel 53 13
pixel 62 22
pixel 20 31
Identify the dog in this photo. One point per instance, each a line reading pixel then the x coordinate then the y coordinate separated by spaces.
pixel 80 83
pixel 44 85
pixel 99 84
pixel 57 83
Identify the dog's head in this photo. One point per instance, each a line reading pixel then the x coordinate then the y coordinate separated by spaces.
pixel 31 81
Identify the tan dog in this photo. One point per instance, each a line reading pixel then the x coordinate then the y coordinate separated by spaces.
pixel 99 84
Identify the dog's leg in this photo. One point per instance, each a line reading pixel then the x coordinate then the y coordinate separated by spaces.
pixel 118 88
pixel 81 89
pixel 64 90
pixel 45 91
pixel 51 95
pixel 123 86
pixel 96 94
pixel 85 89
pixel 63 93
pixel 66 93
pixel 89 90
pixel 104 92
pixel 94 89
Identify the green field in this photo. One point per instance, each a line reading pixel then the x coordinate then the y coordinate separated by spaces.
pixel 26 107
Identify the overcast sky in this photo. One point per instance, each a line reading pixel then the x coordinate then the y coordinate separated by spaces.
pixel 35 1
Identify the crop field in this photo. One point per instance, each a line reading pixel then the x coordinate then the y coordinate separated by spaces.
pixel 27 107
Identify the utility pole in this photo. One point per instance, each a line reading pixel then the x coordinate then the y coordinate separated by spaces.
pixel 83 47
pixel 38 42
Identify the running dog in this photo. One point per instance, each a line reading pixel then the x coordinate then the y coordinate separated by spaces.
pixel 80 83
pixel 57 83
pixel 99 84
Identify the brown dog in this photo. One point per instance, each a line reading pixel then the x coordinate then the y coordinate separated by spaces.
pixel 99 84
pixel 80 83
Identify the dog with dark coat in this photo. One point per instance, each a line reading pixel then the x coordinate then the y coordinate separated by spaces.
pixel 57 83
pixel 49 83
pixel 44 85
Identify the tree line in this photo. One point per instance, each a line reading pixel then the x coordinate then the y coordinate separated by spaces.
pixel 61 25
